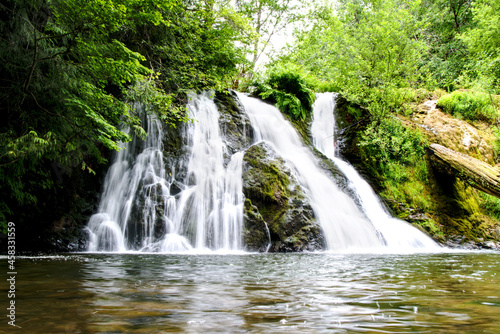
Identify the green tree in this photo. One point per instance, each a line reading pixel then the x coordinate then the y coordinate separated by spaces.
pixel 195 50
pixel 366 49
pixel 267 19
pixel 68 69
pixel 483 40
pixel 447 58
pixel 57 71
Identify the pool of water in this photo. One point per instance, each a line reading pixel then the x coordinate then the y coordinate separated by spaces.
pixel 257 293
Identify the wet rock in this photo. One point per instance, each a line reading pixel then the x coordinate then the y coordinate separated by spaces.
pixel 256 235
pixel 496 232
pixel 176 187
pixel 276 206
pixel 335 173
pixel 68 239
pixel 175 151
pixel 235 126
pixel 491 245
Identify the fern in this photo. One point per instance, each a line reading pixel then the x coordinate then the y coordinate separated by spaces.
pixel 289 91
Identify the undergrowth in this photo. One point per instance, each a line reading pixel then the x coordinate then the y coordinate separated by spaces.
pixel 290 92
pixel 396 156
pixel 470 105
pixel 490 205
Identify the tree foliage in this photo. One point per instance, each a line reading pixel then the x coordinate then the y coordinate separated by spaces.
pixel 69 70
pixel 448 55
pixel 288 89
pixel 366 48
pixel 267 18
pixel 483 41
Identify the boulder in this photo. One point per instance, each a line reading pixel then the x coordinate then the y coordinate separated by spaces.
pixel 453 133
pixel 278 215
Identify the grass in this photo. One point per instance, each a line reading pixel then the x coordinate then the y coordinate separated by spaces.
pixel 490 205
pixel 470 105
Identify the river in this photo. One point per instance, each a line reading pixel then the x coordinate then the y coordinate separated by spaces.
pixel 257 293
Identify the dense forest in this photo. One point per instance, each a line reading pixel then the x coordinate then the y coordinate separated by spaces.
pixel 71 71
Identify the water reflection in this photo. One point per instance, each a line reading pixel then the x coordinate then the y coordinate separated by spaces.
pixel 258 293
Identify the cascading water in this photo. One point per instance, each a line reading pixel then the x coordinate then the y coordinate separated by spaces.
pixel 207 213
pixel 396 233
pixel 108 228
pixel 344 225
pixel 141 211
pixel 211 207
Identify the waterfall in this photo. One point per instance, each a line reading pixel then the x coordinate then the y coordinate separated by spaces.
pixel 108 228
pixel 344 225
pixel 207 213
pixel 146 205
pixel 396 233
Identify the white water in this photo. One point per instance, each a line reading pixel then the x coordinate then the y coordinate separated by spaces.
pixel 396 233
pixel 206 215
pixel 108 228
pixel 344 225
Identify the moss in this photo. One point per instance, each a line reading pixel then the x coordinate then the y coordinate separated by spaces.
pixel 411 187
pixel 303 127
pixel 266 179
pixel 255 232
pixel 466 199
pixel 434 229
pixel 274 197
pixel 457 208
pixel 226 101
pixel 234 123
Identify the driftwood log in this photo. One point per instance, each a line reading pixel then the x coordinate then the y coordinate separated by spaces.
pixel 475 172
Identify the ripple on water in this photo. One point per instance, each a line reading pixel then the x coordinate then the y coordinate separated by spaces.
pixel 259 293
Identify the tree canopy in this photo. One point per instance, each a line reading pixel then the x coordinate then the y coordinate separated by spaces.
pixel 69 70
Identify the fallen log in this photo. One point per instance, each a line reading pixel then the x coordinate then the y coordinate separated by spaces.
pixel 477 173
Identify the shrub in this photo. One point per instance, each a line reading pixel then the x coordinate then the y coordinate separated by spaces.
pixel 490 205
pixel 470 105
pixel 387 140
pixel 289 90
pixel 395 155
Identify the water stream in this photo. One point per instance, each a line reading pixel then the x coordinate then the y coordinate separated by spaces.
pixel 346 226
pixel 207 213
pixel 396 233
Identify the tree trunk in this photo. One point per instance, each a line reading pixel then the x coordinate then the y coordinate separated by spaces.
pixel 475 172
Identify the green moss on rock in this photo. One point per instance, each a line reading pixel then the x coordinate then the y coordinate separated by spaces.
pixel 276 206
pixel 234 123
pixel 443 206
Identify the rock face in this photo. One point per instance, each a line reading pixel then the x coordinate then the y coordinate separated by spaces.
pixel 234 123
pixel 278 215
pixel 453 133
pixel 454 214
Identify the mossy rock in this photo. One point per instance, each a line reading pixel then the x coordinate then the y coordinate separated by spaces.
pixel 175 150
pixel 278 215
pixel 265 177
pixel 234 123
pixel 256 236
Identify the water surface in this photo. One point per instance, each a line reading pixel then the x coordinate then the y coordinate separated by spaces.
pixel 257 293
